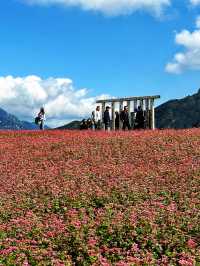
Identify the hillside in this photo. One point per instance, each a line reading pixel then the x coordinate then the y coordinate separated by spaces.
pixel 11 122
pixel 72 125
pixel 183 113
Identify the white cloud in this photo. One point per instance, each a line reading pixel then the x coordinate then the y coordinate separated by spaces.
pixel 23 97
pixel 195 2
pixel 190 58
pixel 198 22
pixel 110 7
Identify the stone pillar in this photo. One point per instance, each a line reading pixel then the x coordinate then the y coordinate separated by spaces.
pixel 135 105
pixel 147 113
pixel 129 111
pixel 120 110
pixel 142 104
pixel 147 104
pixel 152 114
pixel 103 110
pixel 113 115
pixel 129 106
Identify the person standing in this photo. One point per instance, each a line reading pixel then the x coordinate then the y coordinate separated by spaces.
pixel 116 120
pixel 93 120
pixel 97 118
pixel 106 118
pixel 135 124
pixel 140 118
pixel 41 118
pixel 125 118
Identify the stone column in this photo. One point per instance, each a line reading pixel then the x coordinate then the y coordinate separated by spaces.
pixel 152 114
pixel 135 104
pixel 146 113
pixel 143 104
pixel 129 111
pixel 120 110
pixel 146 103
pixel 113 115
pixel 129 106
pixel 103 110
pixel 149 113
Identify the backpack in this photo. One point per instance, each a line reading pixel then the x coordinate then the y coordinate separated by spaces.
pixel 37 120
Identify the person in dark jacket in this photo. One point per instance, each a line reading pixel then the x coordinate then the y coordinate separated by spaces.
pixel 125 118
pixel 106 118
pixel 116 120
pixel 140 118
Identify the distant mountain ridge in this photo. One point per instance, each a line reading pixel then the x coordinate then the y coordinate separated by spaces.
pixel 178 114
pixel 72 125
pixel 11 122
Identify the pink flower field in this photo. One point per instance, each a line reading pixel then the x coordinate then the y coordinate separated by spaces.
pixel 96 198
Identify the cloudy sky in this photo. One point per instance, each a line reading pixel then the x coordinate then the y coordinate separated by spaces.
pixel 64 54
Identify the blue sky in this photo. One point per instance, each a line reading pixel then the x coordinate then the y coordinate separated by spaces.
pixel 128 52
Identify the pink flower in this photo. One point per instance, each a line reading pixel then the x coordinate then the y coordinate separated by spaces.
pixel 135 248
pixel 186 262
pixel 121 263
pixel 191 243
pixel 8 250
pixel 172 207
pixel 92 242
pixel 25 263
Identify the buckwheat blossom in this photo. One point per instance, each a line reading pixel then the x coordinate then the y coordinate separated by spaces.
pixel 186 262
pixel 7 251
pixel 26 263
pixel 77 198
pixel 191 243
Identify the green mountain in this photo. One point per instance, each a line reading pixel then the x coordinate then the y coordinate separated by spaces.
pixel 183 113
pixel 72 125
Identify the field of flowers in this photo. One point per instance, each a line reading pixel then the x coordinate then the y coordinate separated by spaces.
pixel 96 198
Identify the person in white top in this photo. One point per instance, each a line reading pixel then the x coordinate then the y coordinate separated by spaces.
pixel 93 120
pixel 42 118
pixel 97 118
